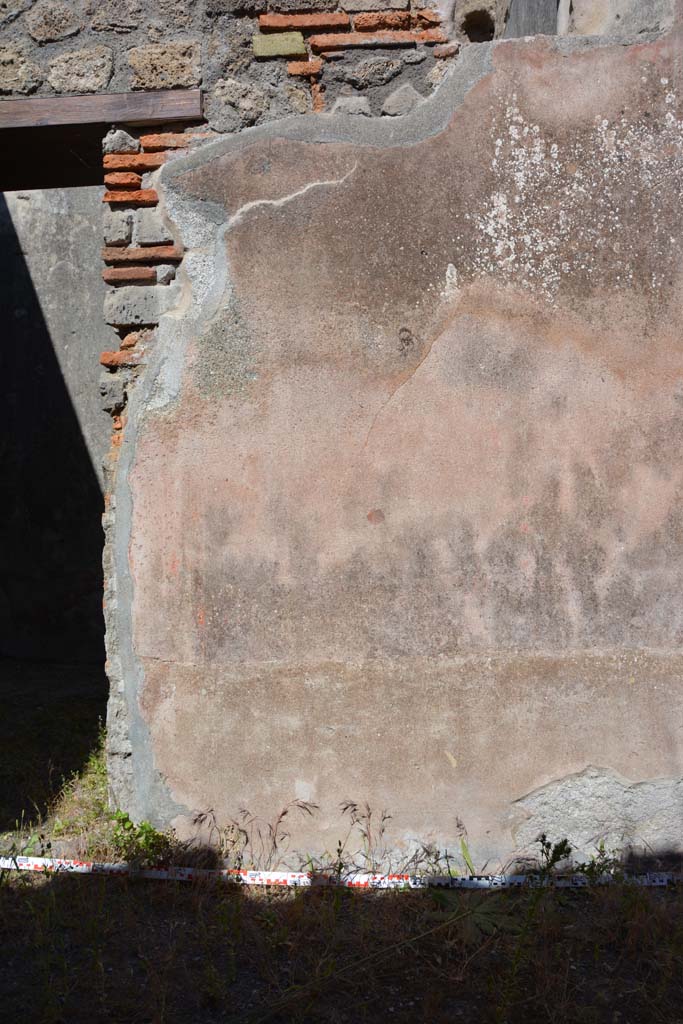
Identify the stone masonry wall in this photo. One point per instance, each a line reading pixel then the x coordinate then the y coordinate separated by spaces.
pixel 257 60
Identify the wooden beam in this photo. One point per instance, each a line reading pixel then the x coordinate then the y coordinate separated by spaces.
pixel 160 107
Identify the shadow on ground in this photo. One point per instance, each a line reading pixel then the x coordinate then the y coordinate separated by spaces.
pixel 91 950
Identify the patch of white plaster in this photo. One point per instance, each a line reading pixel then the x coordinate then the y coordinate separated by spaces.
pixel 556 206
pixel 599 805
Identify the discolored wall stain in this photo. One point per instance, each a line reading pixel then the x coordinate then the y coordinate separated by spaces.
pixel 427 420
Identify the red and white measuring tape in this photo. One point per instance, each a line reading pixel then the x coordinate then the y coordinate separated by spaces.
pixel 296 879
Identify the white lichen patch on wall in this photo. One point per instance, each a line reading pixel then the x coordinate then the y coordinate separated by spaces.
pixel 559 208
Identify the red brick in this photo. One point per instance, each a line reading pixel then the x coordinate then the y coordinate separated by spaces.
pixel 446 50
pixel 165 140
pixel 132 338
pixel 130 275
pixel 302 22
pixel 341 41
pixel 142 197
pixel 305 67
pixel 112 360
pixel 133 161
pixel 427 18
pixel 318 97
pixel 147 254
pixel 375 21
pixel 431 35
pixel 123 179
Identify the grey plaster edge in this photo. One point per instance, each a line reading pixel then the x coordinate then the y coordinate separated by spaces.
pixel 143 793
pixel 137 785
pixel 430 118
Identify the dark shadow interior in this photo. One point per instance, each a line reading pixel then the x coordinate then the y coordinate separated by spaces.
pixel 52 683
pixel 60 156
pixel 478 26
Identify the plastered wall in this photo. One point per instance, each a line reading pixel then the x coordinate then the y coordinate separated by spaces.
pixel 394 506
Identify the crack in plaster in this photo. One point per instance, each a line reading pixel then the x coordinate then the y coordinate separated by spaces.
pixel 254 203
pixel 398 388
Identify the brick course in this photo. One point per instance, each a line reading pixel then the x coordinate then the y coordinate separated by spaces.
pixel 139 162
pixel 349 40
pixel 305 67
pixel 123 179
pixel 164 140
pixel 141 197
pixel 376 20
pixel 303 22
pixel 129 275
pixel 149 254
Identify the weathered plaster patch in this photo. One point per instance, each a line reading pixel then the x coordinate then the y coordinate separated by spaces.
pixel 597 806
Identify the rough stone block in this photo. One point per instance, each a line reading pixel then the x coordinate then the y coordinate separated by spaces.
pixel 302 5
pixel 119 16
pixel 50 20
pixel 615 17
pixel 531 18
pixel 298 99
pixel 165 273
pixel 232 105
pixel 11 9
pixel 445 50
pixel 17 72
pixel 178 13
pixel 165 65
pixel 112 393
pixel 372 71
pixel 401 101
pixel 352 105
pixel 149 229
pixel 130 306
pixel 235 6
pixel 118 227
pixel 118 141
pixel 282 44
pixel 82 70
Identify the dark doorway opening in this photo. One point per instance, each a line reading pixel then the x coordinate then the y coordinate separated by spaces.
pixel 53 688
pixel 478 26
